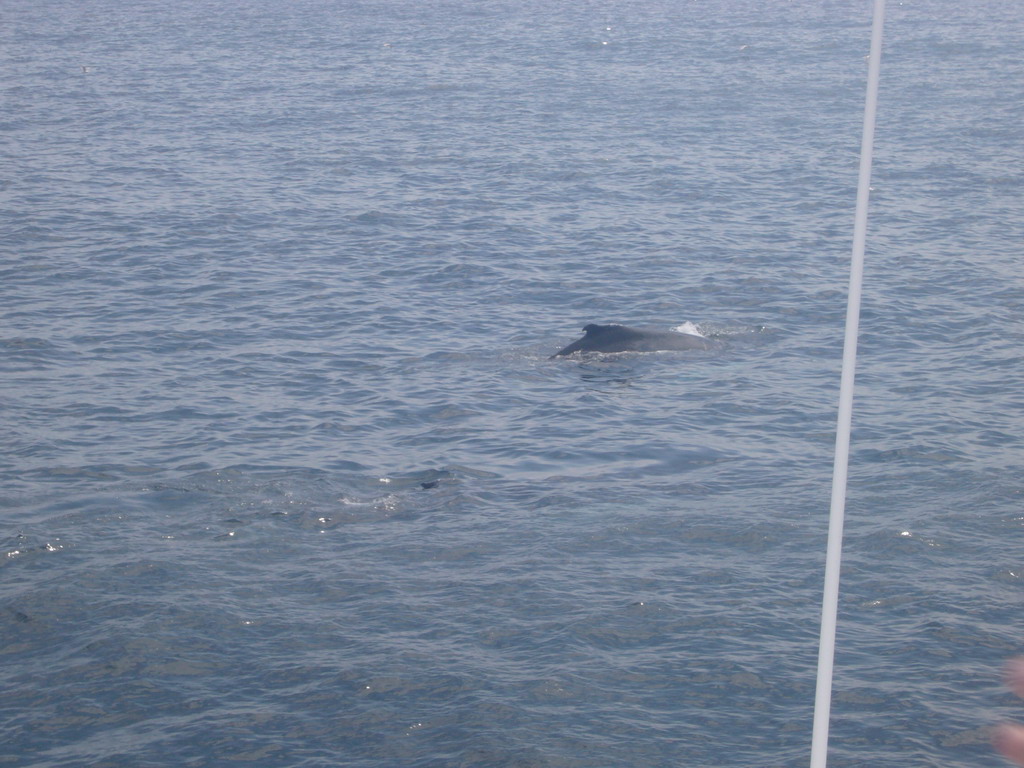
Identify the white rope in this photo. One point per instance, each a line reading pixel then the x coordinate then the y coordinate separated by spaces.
pixel 826 647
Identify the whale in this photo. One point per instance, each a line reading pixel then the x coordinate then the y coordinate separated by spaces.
pixel 622 338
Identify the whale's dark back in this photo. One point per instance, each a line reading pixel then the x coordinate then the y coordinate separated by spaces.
pixel 622 338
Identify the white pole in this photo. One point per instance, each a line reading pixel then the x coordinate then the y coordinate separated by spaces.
pixel 826 647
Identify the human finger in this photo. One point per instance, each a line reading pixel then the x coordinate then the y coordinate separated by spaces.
pixel 1009 740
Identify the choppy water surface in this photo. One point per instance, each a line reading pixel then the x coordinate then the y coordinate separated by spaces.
pixel 289 480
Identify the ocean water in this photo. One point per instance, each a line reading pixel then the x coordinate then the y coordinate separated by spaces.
pixel 288 479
